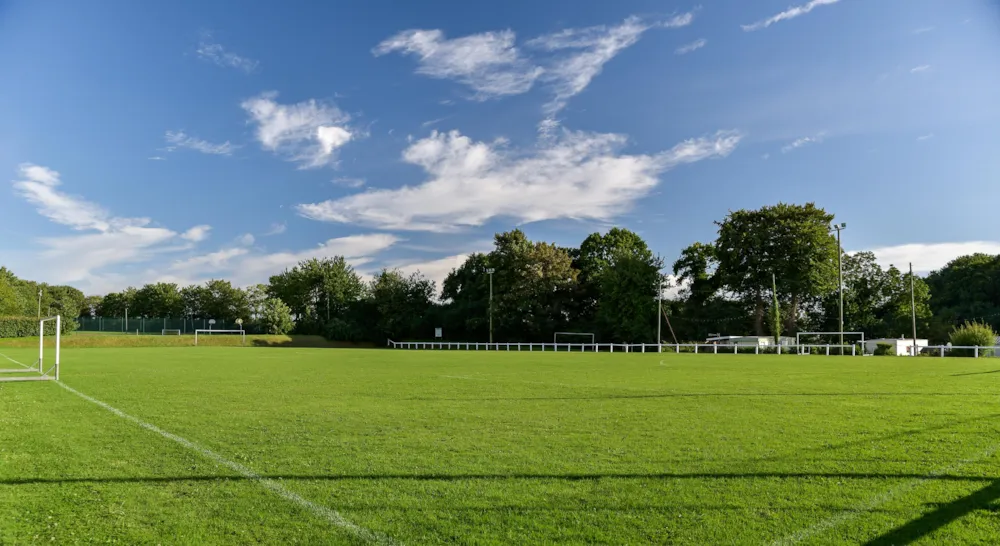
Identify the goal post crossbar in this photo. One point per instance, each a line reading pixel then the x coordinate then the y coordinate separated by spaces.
pixel 242 333
pixel 862 334
pixel 555 336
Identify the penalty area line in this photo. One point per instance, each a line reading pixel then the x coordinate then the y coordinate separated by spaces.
pixel 330 515
pixel 22 364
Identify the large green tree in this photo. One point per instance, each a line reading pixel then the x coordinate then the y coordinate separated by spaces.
pixel 968 288
pixel 792 242
pixel 399 305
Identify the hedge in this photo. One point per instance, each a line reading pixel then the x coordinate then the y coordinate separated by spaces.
pixel 28 327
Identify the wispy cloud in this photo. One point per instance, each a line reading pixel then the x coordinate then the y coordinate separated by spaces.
pixel 276 229
pixel 928 136
pixel 919 69
pixel 488 63
pixel 246 239
pixel 215 53
pixel 180 139
pixel 688 48
pixel 349 182
pixel 580 176
pixel 804 141
pixel 108 240
pixel 308 133
pixel 197 233
pixel 246 266
pixel 156 158
pixel 592 48
pixel 430 122
pixel 923 30
pixel 789 13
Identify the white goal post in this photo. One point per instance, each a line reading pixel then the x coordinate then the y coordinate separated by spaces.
pixel 43 374
pixel 170 332
pixel 798 341
pixel 242 334
pixel 555 336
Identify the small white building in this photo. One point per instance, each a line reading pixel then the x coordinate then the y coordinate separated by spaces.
pixel 749 341
pixel 902 346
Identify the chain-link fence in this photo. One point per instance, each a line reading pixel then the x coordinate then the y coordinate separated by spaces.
pixel 158 325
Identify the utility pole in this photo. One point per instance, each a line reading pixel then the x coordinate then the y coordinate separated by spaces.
pixel 913 312
pixel 39 304
pixel 659 311
pixel 840 280
pixel 490 271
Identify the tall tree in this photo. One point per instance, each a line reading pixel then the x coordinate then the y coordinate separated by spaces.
pixel 967 289
pixel 792 242
pixel 399 304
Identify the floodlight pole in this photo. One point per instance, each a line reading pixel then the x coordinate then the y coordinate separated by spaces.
pixel 490 271
pixel 39 303
pixel 840 279
pixel 659 310
pixel 125 329
pixel 913 312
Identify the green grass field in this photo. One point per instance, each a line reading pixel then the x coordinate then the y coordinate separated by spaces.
pixel 361 446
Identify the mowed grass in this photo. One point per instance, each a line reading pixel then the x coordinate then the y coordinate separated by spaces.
pixel 500 448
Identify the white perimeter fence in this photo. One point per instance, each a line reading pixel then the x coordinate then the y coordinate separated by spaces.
pixel 695 348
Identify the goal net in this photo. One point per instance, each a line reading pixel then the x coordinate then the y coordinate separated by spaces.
pixel 220 337
pixel 34 364
pixel 573 338
pixel 839 342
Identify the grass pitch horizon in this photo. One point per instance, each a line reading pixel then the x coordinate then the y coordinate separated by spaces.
pixel 494 448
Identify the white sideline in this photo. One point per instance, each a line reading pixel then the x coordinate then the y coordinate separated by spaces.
pixel 878 500
pixel 328 514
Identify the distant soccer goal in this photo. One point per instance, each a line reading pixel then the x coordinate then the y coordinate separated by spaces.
pixel 241 333
pixel 46 367
pixel 171 332
pixel 803 340
pixel 583 339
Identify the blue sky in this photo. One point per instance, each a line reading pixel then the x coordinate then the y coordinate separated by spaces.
pixel 184 140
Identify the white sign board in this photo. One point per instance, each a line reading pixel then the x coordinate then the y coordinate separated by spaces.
pixel 211 321
pixel 437 332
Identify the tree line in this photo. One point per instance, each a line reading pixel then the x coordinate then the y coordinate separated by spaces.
pixel 768 271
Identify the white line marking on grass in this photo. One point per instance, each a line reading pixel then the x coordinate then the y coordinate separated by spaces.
pixel 328 514
pixel 879 500
pixel 465 377
pixel 22 364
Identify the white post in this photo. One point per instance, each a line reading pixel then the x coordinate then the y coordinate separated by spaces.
pixel 828 349
pixel 58 328
pixel 695 348
pixel 976 350
pixel 735 347
pixel 41 344
pixel 715 349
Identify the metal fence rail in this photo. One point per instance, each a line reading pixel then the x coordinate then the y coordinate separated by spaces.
pixel 156 325
pixel 696 348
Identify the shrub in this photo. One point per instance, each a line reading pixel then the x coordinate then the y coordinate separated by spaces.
pixel 28 327
pixel 885 349
pixel 973 333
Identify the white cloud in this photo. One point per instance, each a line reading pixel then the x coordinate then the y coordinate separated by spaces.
pixel 919 69
pixel 928 136
pixel 804 141
pixel 246 239
pixel 488 63
pixel 592 48
pixel 197 233
pixel 790 13
pixel 688 48
pixel 922 30
pixel 215 53
pixel 276 229
pixel 156 158
pixel 492 66
pixel 579 175
pixel 244 266
pixel 80 259
pixel 308 133
pixel 927 257
pixel 180 139
pixel 435 270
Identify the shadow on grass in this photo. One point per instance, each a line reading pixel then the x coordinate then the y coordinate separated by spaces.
pixel 563 477
pixel 974 373
pixel 692 395
pixel 944 514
